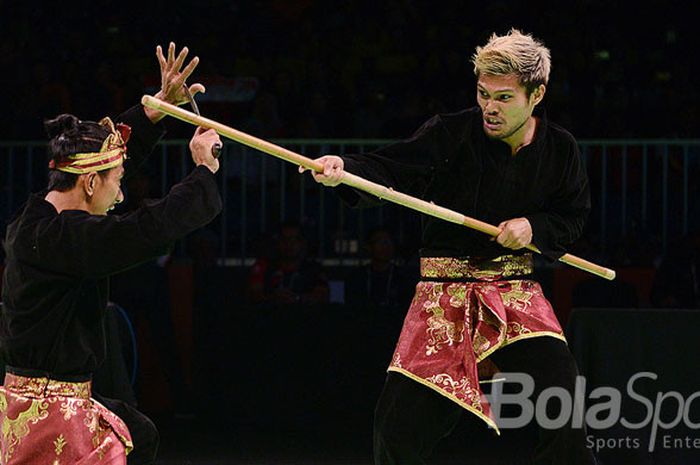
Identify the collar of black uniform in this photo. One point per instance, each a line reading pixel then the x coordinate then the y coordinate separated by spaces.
pixel 38 202
pixel 542 128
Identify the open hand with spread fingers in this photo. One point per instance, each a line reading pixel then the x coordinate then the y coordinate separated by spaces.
pixel 173 78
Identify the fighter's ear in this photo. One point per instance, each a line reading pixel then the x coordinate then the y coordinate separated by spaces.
pixel 89 180
pixel 538 94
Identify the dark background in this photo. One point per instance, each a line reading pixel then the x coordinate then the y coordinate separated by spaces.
pixel 352 68
pixel 285 382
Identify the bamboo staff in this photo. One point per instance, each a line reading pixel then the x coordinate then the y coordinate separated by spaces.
pixel 357 182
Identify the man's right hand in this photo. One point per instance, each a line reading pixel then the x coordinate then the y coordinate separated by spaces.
pixel 201 148
pixel 332 172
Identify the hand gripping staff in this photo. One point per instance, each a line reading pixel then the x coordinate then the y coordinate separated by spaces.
pixel 357 182
pixel 216 148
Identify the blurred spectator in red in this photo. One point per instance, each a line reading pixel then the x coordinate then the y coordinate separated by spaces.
pixel 290 276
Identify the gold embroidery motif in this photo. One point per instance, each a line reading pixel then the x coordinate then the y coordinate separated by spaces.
pixel 480 343
pixel 475 268
pixel 432 294
pixel 448 382
pixel 461 388
pixel 45 387
pixel 458 295
pixel 91 421
pixel 396 360
pixel 102 450
pixel 68 409
pixel 516 297
pixel 98 425
pixel 441 331
pixel 59 443
pixel 517 328
pixel 24 400
pixel 13 431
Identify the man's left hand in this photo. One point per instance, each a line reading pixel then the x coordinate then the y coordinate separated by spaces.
pixel 515 234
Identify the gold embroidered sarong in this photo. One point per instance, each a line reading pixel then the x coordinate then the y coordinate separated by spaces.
pixel 452 325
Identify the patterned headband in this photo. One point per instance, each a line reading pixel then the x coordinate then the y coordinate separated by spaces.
pixel 112 153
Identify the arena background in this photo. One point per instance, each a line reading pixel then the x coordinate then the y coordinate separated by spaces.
pixel 229 380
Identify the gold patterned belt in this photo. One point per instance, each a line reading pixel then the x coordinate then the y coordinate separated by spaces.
pixel 46 387
pixel 478 269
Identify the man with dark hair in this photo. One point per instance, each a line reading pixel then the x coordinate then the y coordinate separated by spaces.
pixel 62 247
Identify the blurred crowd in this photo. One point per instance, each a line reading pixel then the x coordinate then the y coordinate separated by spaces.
pixel 315 69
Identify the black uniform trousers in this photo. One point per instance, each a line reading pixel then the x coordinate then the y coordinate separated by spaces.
pixel 143 431
pixel 411 419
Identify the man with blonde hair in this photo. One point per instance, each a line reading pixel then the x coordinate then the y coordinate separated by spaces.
pixel 476 304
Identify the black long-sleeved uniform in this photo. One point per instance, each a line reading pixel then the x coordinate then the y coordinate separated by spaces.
pixel 452 162
pixel 56 280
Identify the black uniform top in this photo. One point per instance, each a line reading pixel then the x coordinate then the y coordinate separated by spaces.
pixel 451 162
pixel 56 280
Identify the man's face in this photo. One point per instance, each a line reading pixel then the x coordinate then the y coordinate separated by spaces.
pixel 505 105
pixel 107 191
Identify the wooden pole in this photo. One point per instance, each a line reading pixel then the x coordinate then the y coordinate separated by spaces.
pixel 357 182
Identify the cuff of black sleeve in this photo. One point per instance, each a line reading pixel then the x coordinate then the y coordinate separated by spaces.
pixel 349 195
pixel 541 238
pixel 211 185
pixel 202 171
pixel 349 164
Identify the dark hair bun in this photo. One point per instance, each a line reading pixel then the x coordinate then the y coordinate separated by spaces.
pixel 60 125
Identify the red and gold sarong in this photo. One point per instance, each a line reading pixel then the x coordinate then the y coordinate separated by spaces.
pixel 51 422
pixel 452 325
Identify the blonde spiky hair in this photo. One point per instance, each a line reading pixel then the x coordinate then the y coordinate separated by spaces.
pixel 514 53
